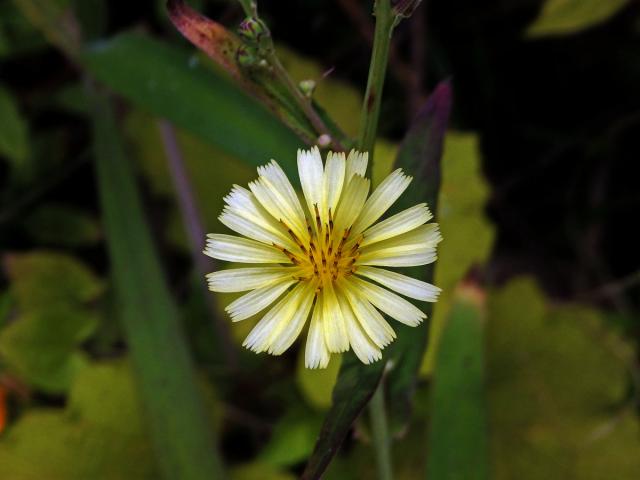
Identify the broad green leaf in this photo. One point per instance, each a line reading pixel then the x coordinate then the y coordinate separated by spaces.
pixel 558 390
pixel 167 82
pixel 57 224
pixel 316 385
pixel 42 347
pixel 458 443
pixel 420 155
pixel 292 439
pixel 563 17
pixel 100 435
pixel 468 235
pixel 178 422
pixel 42 280
pixel 14 139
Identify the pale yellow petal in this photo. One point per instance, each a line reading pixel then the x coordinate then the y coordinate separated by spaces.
pixel 372 322
pixel 362 345
pixel 243 250
pixel 260 338
pixel 398 224
pixel 257 300
pixel 287 331
pixel 333 180
pixel 255 231
pixel 388 302
pixel 243 279
pixel 241 202
pixel 407 286
pixel 311 176
pixel 356 164
pixel 350 206
pixel 417 247
pixel 381 199
pixel 316 354
pixel 335 331
pixel 276 204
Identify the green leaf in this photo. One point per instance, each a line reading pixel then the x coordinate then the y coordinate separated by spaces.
pixel 42 280
pixel 419 155
pixel 42 347
pixel 178 422
pixel 353 390
pixel 468 235
pixel 57 224
pixel 169 83
pixel 458 443
pixel 14 140
pixel 100 435
pixel 563 17
pixel 558 385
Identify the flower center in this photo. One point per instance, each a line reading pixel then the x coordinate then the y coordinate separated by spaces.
pixel 325 254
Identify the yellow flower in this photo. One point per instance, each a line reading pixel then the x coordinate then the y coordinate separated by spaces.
pixel 322 261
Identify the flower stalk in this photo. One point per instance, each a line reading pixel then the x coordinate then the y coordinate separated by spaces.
pixel 385 22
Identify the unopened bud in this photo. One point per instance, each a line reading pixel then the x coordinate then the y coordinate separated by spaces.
pixel 253 30
pixel 324 140
pixel 307 87
pixel 246 57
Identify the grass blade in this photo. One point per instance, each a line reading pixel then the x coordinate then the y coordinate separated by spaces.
pixel 178 423
pixel 458 445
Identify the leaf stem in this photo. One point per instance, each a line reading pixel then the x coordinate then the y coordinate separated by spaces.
pixel 385 21
pixel 380 431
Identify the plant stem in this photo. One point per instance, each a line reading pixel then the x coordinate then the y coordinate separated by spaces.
pixel 380 430
pixel 303 102
pixel 195 233
pixel 249 7
pixel 269 52
pixel 385 21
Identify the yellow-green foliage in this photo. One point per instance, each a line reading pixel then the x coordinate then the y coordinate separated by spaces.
pixel 557 384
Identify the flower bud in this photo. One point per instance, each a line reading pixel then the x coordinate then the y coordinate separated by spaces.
pixel 307 87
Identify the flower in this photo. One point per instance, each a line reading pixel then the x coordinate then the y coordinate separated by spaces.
pixel 323 261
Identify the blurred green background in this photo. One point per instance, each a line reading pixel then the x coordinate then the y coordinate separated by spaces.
pixel 534 374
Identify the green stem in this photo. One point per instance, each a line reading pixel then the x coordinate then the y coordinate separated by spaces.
pixel 380 431
pixel 250 7
pixel 303 102
pixel 385 21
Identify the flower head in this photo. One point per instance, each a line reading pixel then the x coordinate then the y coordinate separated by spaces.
pixel 322 260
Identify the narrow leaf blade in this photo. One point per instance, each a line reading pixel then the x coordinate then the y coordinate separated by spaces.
pixel 184 444
pixel 458 442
